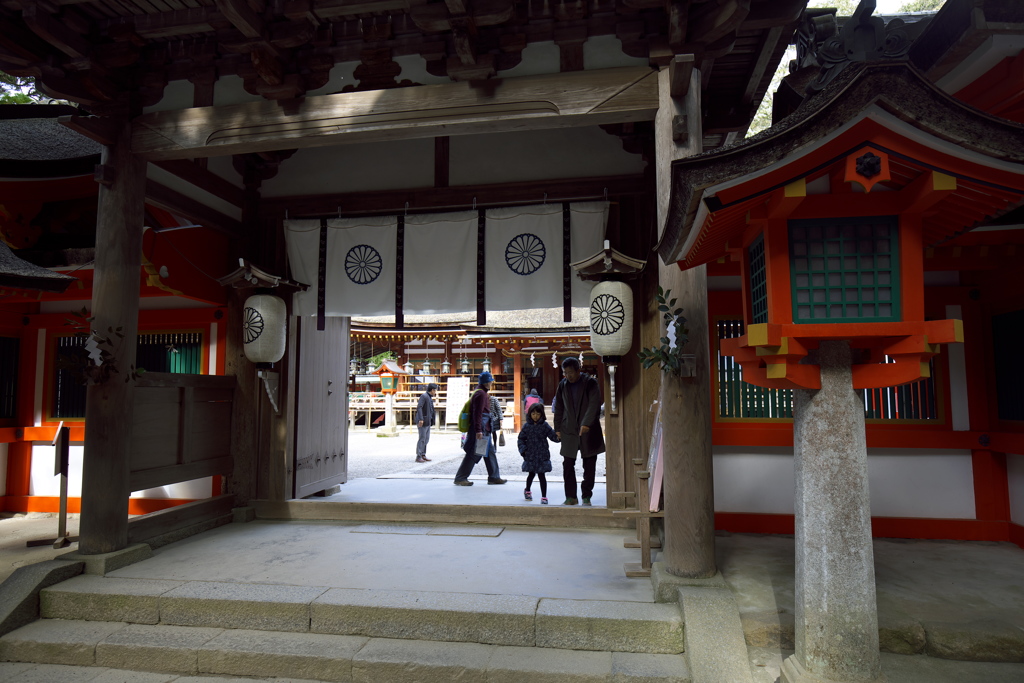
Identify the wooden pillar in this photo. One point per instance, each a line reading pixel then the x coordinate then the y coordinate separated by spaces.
pixel 689 548
pixel 686 425
pixel 517 393
pixel 115 305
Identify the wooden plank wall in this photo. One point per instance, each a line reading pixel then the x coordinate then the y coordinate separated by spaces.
pixel 181 429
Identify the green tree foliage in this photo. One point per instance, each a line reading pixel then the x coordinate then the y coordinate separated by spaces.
pixel 922 6
pixel 16 90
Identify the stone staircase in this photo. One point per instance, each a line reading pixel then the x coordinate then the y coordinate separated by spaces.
pixel 341 634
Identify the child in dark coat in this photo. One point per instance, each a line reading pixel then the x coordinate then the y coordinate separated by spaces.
pixel 533 446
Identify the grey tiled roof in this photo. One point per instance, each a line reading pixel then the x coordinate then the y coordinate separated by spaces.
pixel 42 139
pixel 532 320
pixel 16 272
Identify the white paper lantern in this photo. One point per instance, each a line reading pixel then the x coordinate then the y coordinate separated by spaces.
pixel 264 327
pixel 611 318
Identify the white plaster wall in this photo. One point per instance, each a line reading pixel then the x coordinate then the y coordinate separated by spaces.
pixel 196 489
pixel 355 168
pixel 1015 473
pixel 539 155
pixel 3 469
pixel 903 482
pixel 42 481
pixel 754 480
pixel 907 483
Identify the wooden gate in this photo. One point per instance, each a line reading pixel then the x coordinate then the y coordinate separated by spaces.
pixel 321 410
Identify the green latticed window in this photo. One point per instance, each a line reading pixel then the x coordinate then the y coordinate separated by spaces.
pixel 758 281
pixel 180 352
pixel 739 399
pixel 845 269
pixel 172 352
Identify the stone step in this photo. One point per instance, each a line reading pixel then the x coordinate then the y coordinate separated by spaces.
pixel 557 516
pixel 193 650
pixel 508 620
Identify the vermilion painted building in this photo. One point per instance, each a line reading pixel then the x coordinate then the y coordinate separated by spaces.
pixel 48 215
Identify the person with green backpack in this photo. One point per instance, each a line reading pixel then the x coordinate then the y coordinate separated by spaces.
pixel 478 429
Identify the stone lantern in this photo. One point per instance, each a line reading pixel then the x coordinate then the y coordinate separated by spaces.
pixel 830 217
pixel 390 374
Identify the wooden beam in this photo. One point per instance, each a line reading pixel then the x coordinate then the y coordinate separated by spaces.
pixel 97 128
pixel 242 17
pixel 156 524
pixel 452 198
pixel 437 17
pixel 165 198
pixel 330 9
pixel 550 101
pixel 178 22
pixel 201 178
pixel 679 70
pixel 44 25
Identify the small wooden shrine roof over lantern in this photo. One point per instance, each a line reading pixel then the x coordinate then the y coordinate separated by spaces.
pixel 608 264
pixel 829 213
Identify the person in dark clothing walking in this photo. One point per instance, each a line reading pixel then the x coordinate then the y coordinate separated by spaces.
pixel 533 446
pixel 578 427
pixel 424 421
pixel 479 429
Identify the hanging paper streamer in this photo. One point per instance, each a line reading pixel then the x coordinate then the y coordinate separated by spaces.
pixel 532 363
pixel 554 360
pixel 581 358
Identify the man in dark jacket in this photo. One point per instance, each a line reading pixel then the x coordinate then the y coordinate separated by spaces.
pixel 424 421
pixel 578 426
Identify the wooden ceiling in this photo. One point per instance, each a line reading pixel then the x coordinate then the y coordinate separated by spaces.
pixel 117 56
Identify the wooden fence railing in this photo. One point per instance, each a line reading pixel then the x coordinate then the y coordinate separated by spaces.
pixel 181 431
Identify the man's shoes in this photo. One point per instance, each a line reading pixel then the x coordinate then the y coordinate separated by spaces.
pixel 463 482
pixel 570 501
pixel 426 459
pixel 495 481
pixel 586 501
pixel 421 459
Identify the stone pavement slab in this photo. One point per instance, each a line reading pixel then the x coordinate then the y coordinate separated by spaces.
pixel 954 599
pixel 55 641
pixel 97 598
pixel 462 617
pixel 628 667
pixel 577 564
pixel 416 661
pixel 312 656
pixel 714 636
pixel 766 662
pixel 174 649
pixel 609 626
pixel 514 665
pixel 223 604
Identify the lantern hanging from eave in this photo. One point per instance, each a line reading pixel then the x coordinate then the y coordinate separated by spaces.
pixel 264 326
pixel 611 319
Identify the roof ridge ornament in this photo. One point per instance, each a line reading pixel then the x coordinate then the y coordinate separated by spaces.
pixel 862 38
